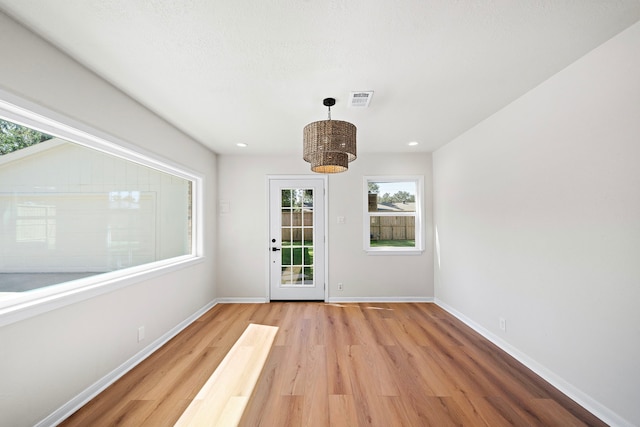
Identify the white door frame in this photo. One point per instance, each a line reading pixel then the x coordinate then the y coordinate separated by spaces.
pixel 267 237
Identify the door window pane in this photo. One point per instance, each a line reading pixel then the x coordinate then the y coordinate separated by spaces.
pixel 308 275
pixel 286 198
pixel 297 236
pixel 308 217
pixel 308 198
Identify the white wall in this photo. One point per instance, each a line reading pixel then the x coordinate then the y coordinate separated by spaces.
pixel 243 231
pixel 47 360
pixel 537 211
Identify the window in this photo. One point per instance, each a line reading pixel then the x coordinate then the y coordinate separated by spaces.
pixel 393 215
pixel 78 211
pixel 297 236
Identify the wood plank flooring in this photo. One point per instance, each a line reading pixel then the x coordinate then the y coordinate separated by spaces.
pixel 222 400
pixel 342 365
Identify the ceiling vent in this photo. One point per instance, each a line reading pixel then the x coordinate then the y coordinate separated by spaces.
pixel 360 99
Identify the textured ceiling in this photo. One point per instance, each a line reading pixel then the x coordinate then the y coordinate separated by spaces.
pixel 256 71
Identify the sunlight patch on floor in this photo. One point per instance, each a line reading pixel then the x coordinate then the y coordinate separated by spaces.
pixel 224 397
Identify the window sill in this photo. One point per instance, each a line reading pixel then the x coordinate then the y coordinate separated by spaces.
pixel 20 307
pixel 390 251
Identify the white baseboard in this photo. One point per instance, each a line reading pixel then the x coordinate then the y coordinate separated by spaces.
pixel 258 300
pixel 583 399
pixel 378 299
pixel 84 397
pixel 242 300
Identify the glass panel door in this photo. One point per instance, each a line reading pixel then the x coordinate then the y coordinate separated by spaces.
pixel 297 256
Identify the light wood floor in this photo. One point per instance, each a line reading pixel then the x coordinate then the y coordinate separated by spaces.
pixel 342 365
pixel 223 399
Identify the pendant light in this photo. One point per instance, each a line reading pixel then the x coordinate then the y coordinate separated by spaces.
pixel 329 145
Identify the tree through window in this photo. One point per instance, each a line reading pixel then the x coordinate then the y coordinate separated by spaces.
pixel 14 137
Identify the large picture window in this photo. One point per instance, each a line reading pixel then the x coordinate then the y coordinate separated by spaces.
pixel 75 210
pixel 393 214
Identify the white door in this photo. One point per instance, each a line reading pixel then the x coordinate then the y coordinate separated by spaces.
pixel 297 239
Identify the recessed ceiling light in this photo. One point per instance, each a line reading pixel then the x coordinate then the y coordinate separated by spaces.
pixel 413 143
pixel 242 145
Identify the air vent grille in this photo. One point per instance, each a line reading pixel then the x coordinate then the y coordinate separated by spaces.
pixel 360 99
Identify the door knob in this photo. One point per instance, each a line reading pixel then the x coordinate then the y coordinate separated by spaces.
pixel 275 249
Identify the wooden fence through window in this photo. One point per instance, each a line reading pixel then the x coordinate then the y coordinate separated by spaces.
pixel 297 225
pixel 392 227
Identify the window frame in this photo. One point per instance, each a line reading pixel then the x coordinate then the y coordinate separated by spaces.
pixel 33 303
pixel 418 215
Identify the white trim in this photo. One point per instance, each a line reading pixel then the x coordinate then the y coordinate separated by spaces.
pixel 379 299
pixel 26 113
pixel 326 238
pixel 583 399
pixel 85 396
pixel 23 112
pixel 393 251
pixel 418 214
pixel 325 196
pixel 242 300
pixel 267 233
pixel 21 307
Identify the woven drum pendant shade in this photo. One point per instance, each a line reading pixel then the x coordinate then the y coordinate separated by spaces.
pixel 332 162
pixel 329 145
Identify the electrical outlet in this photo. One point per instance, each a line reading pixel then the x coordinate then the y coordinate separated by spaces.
pixel 503 324
pixel 340 286
pixel 140 333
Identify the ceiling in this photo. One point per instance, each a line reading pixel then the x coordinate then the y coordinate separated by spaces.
pixel 256 71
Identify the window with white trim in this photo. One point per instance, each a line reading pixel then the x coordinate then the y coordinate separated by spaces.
pixel 79 210
pixel 393 214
